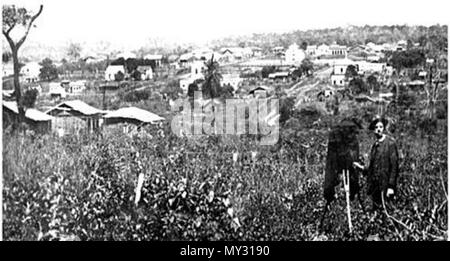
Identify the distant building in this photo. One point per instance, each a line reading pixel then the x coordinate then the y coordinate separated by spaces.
pixel 338 50
pixel 197 69
pixel 77 86
pixel 157 58
pixel 30 72
pixel 311 50
pixel 323 49
pixel 278 50
pixel 57 90
pixel 256 51
pixel 112 70
pixel 146 72
pixel 279 75
pixel 401 45
pixel 368 67
pixel 236 53
pixel 232 79
pixel 339 69
pixel 260 91
pixel 294 55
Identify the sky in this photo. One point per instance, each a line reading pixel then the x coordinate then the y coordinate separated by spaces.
pixel 131 23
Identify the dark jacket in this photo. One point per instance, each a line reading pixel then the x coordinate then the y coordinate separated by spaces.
pixel 343 150
pixel 383 169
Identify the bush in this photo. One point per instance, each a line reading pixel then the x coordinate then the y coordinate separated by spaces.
pixel 135 96
pixel 119 76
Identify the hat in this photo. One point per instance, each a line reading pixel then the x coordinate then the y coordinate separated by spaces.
pixel 376 120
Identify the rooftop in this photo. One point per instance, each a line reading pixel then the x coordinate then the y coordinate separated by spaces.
pixel 32 114
pixel 134 113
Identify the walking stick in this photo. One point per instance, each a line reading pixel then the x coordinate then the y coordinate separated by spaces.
pixel 346 179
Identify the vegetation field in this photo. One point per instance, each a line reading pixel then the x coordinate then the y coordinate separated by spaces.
pixel 83 187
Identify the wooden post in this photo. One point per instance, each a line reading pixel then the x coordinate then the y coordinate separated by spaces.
pixel 346 179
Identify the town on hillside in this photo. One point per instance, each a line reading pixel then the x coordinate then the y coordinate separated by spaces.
pixel 320 135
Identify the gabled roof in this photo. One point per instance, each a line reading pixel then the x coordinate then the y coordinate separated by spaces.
pixel 79 106
pixel 31 114
pixel 135 114
pixel 261 87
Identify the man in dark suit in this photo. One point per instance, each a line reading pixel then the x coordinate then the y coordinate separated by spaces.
pixel 383 169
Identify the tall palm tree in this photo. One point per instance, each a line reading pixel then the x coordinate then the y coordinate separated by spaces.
pixel 211 86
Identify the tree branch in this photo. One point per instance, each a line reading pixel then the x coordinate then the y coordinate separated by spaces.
pixel 9 29
pixel 21 41
pixel 10 41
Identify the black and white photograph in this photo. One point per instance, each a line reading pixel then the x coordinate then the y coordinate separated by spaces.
pixel 224 121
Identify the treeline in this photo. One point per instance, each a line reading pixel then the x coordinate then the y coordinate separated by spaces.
pixel 352 35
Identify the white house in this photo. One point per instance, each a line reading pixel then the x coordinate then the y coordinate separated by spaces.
pixel 339 69
pixel 278 49
pixel 112 70
pixel 232 79
pixel 146 72
pixel 154 57
pixel 30 72
pixel 323 49
pixel 401 45
pixel 197 69
pixel 311 50
pixel 57 90
pixel 256 51
pixel 294 55
pixel 365 66
pixel 77 87
pixel 339 50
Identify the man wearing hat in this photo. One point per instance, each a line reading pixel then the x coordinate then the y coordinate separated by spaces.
pixel 383 169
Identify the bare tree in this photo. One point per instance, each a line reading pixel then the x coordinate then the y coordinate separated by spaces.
pixel 13 18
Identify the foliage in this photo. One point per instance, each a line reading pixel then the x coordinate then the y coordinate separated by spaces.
pixel 172 89
pixel 83 187
pixel 192 88
pixel 136 75
pixel 134 95
pixel 119 76
pixel 286 109
pixel 351 71
pixel 407 59
pixel 48 70
pixel 211 87
pixel 307 67
pixel 373 83
pixel 358 86
pixel 29 98
pixel 74 51
pixel 266 70
pixel 350 36
pixel 304 45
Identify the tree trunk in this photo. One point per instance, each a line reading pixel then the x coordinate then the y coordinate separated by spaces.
pixel 17 91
